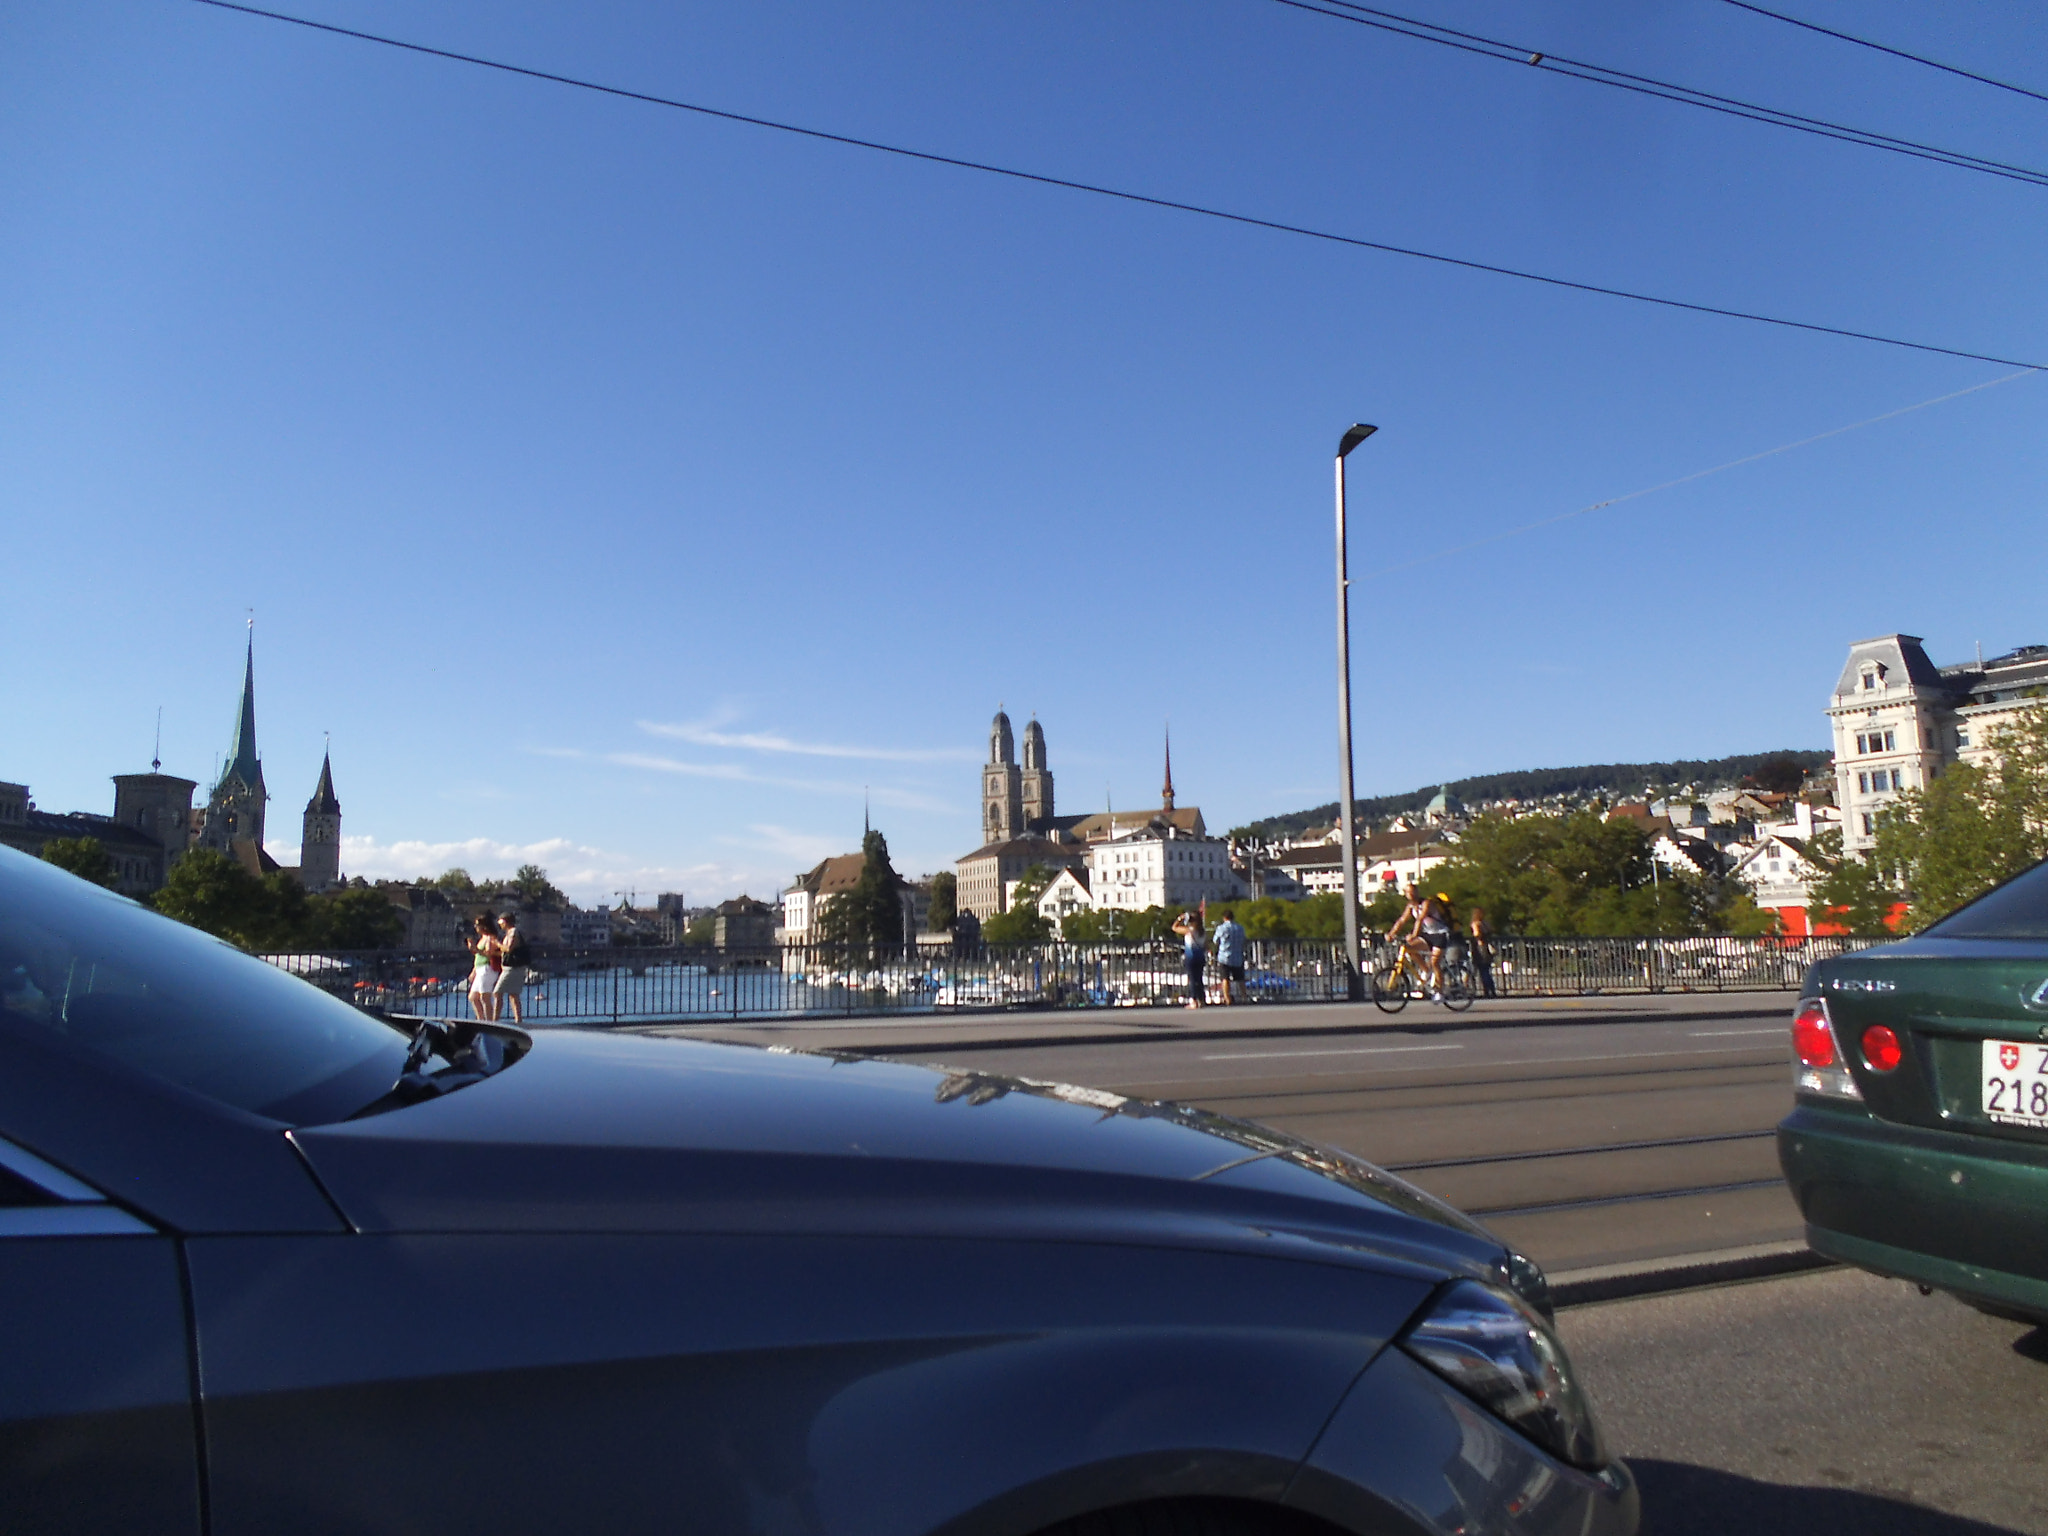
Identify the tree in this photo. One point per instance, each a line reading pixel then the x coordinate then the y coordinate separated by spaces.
pixel 1021 924
pixel 945 908
pixel 703 929
pixel 1568 875
pixel 211 891
pixel 85 857
pixel 1853 894
pixel 532 884
pixel 866 921
pixel 457 884
pixel 357 919
pixel 1778 772
pixel 1949 842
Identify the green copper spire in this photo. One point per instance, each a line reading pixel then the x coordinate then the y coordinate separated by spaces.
pixel 242 761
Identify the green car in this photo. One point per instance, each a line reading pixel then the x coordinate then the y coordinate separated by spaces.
pixel 1918 1148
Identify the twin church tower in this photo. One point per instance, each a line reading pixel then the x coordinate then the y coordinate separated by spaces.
pixel 233 819
pixel 1014 799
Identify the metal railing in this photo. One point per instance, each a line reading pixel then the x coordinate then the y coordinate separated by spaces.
pixel 619 986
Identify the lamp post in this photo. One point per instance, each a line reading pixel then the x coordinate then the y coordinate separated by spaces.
pixel 1354 961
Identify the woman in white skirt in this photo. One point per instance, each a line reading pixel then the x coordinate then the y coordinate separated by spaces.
pixel 484 973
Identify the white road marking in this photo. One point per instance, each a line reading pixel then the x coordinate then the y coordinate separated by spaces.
pixel 1708 1034
pixel 1360 1050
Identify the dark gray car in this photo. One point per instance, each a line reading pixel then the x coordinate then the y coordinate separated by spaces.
pixel 269 1264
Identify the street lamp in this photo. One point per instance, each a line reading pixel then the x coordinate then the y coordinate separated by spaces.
pixel 1354 960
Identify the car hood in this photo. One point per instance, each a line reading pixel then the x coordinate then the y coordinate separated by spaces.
pixel 601 1132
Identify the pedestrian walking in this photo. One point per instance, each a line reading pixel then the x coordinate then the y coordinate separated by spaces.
pixel 484 972
pixel 1229 938
pixel 1482 951
pixel 514 967
pixel 1194 955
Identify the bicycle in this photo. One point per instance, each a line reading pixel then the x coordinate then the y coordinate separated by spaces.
pixel 1393 985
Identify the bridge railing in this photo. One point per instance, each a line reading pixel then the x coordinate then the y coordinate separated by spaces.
pixel 620 985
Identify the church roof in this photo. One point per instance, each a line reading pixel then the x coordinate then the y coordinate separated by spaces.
pixel 242 761
pixel 323 802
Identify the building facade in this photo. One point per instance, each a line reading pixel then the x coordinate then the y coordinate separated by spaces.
pixel 1159 866
pixel 146 835
pixel 1898 720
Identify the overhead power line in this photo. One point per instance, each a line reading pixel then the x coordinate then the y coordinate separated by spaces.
pixel 1644 85
pixel 931 157
pixel 1698 474
pixel 1897 53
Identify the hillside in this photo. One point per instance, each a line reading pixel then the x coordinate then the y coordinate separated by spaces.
pixel 1615 780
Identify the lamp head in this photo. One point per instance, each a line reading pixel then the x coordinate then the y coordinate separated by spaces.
pixel 1354 437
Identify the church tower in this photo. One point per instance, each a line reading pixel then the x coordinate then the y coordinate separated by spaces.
pixel 1002 785
pixel 234 811
pixel 1166 792
pixel 1037 777
pixel 320 845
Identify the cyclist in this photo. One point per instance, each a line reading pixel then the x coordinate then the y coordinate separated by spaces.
pixel 1412 919
pixel 1434 928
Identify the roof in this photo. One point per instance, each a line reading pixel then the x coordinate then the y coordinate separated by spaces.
pixel 323 802
pixel 832 876
pixel 1900 659
pixel 1078 873
pixel 1107 824
pixel 741 906
pixel 1042 849
pixel 242 761
pixel 112 835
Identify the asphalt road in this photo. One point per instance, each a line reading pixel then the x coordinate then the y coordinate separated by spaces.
pixel 1588 1137
pixel 1823 1404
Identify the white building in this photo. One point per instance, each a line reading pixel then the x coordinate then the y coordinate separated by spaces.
pixel 1899 720
pixel 1159 866
pixel 1067 895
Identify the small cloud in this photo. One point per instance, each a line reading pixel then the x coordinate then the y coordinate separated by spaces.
pixel 705 733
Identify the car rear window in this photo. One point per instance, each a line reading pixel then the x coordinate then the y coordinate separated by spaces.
pixel 113 980
pixel 2017 909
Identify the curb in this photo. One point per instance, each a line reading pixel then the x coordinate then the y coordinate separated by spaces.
pixel 1683 1271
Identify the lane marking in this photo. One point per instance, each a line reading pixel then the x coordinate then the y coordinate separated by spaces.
pixel 1709 1034
pixel 1358 1050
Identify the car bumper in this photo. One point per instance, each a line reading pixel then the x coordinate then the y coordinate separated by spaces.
pixel 1408 1452
pixel 1946 1209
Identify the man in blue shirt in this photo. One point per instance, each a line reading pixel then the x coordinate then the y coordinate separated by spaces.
pixel 1229 940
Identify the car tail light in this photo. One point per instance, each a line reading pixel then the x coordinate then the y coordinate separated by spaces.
pixel 1881 1049
pixel 1821 1071
pixel 1813 1039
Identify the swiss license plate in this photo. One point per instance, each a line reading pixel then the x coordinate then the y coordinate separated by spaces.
pixel 2016 1082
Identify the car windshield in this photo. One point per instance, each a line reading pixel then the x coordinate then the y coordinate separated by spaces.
pixel 112 978
pixel 2017 909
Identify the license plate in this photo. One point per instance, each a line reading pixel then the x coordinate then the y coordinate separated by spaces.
pixel 2016 1083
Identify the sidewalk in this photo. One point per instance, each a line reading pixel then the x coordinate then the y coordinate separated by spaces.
pixel 923 1034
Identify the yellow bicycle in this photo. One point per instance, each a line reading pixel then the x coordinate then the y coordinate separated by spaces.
pixel 1393 985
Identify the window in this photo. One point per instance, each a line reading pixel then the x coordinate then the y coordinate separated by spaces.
pixel 1862 744
pixel 1889 744
pixel 1869 678
pixel 1869 824
pixel 1898 779
pixel 1863 783
pixel 1962 736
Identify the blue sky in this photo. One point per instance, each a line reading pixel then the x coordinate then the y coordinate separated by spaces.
pixel 632 492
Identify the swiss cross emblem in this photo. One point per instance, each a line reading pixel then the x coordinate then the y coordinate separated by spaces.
pixel 2009 1057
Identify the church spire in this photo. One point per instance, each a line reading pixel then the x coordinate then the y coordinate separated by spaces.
pixel 1166 794
pixel 323 802
pixel 242 760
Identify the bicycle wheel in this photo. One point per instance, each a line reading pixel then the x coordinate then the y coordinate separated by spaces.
pixel 1390 989
pixel 1457 991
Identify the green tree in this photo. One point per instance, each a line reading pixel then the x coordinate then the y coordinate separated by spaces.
pixel 1853 894
pixel 945 908
pixel 1021 924
pixel 1781 772
pixel 357 919
pixel 1569 875
pixel 533 886
pixel 211 891
pixel 284 917
pixel 457 885
pixel 703 929
pixel 867 921
pixel 85 857
pixel 1972 828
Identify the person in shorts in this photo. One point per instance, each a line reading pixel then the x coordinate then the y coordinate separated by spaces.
pixel 1229 943
pixel 514 966
pixel 1194 955
pixel 484 972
